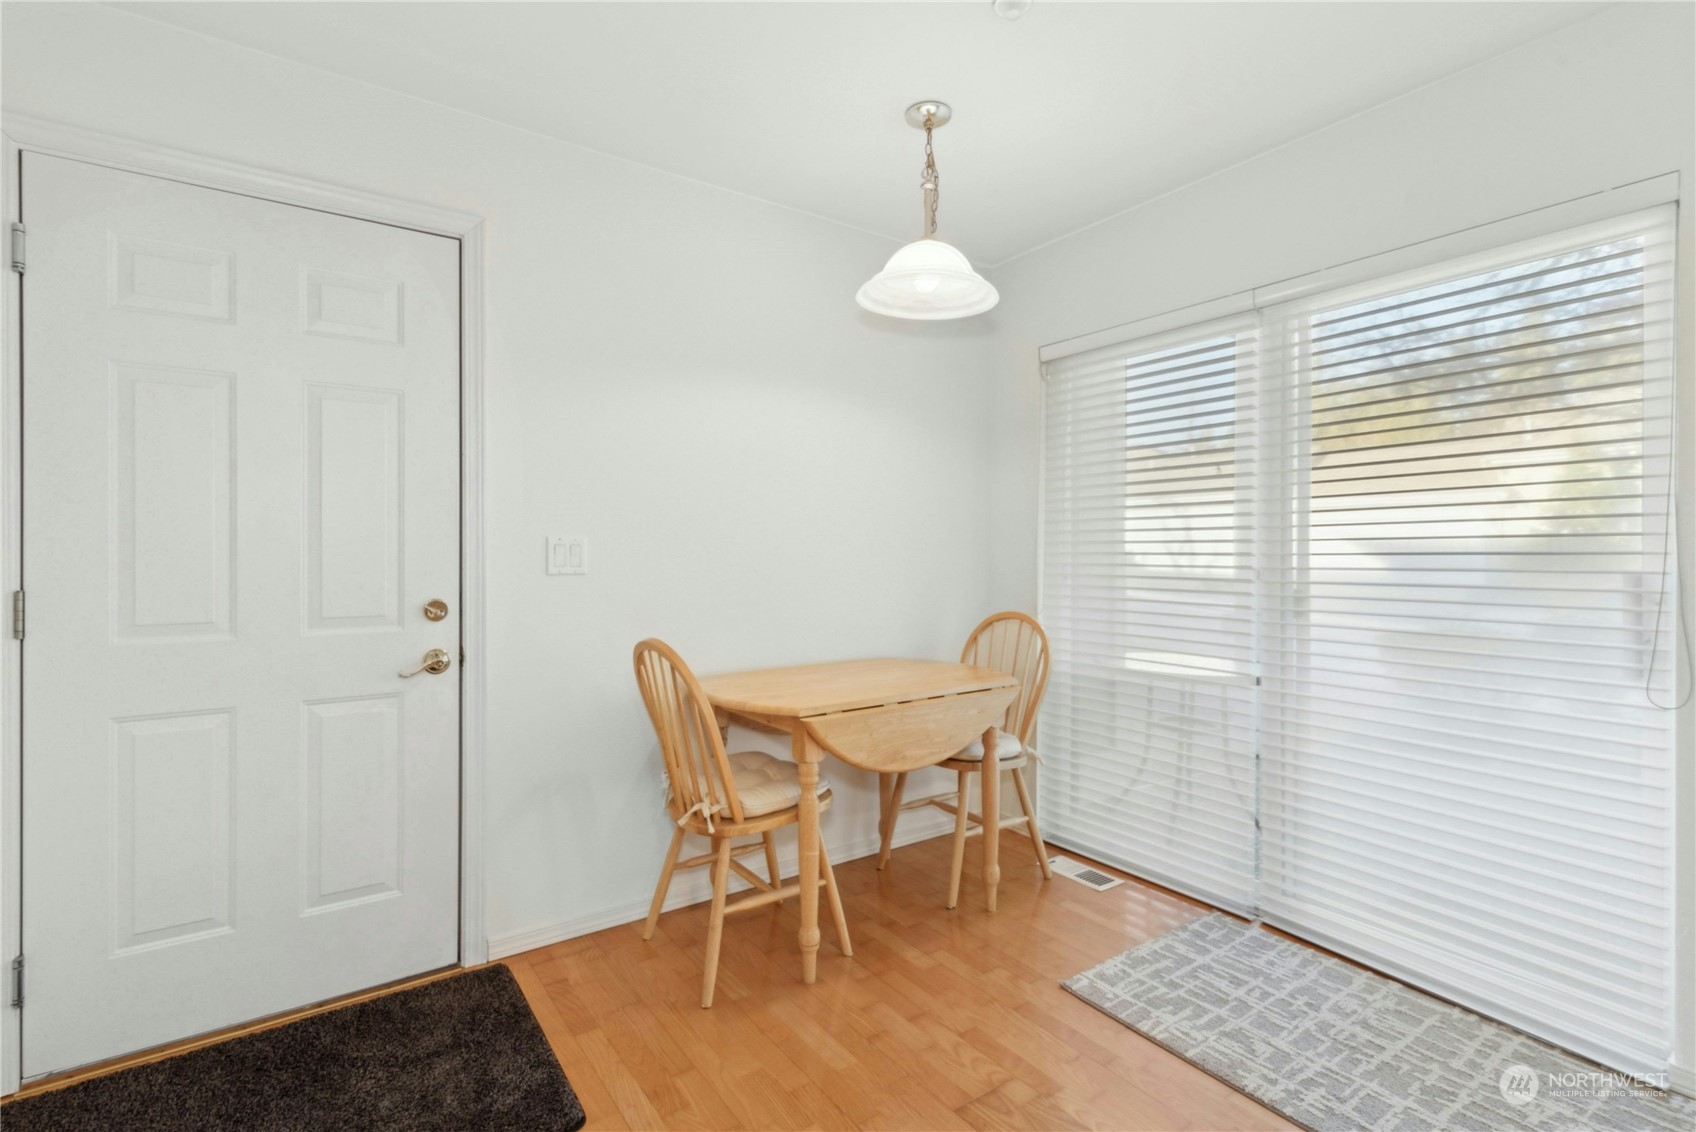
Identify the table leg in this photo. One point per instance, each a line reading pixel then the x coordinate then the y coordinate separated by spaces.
pixel 808 755
pixel 991 803
pixel 885 785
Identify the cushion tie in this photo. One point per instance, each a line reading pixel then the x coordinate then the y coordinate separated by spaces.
pixel 705 809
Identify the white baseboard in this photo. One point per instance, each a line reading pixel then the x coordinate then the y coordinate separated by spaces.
pixel 1682 1080
pixel 695 887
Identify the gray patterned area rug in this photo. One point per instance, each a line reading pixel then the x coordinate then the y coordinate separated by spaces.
pixel 1332 1047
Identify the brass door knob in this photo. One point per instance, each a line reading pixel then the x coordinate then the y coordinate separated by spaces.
pixel 435 663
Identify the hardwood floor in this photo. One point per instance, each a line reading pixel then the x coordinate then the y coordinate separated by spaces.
pixel 941 1020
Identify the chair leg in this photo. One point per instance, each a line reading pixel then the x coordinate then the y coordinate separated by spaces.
pixel 961 800
pixel 715 922
pixel 1030 823
pixel 771 861
pixel 890 813
pixel 665 883
pixel 835 898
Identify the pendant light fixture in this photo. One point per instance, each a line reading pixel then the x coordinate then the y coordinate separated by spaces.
pixel 928 279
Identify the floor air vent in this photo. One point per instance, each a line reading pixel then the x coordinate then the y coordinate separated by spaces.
pixel 1083 874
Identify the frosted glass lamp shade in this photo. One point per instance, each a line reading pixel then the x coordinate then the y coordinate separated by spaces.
pixel 927 279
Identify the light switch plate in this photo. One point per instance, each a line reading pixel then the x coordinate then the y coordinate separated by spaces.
pixel 568 554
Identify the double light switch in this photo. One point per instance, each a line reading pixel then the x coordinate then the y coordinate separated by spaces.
pixel 567 554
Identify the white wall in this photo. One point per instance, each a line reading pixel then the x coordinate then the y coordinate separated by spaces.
pixel 1602 103
pixel 765 474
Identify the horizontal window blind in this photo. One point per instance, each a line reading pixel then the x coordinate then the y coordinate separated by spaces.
pixel 1148 601
pixel 1385 572
pixel 1465 776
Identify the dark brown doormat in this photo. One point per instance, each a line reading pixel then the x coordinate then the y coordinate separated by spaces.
pixel 460 1053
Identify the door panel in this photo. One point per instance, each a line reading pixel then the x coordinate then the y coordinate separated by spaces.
pixel 353 519
pixel 171 847
pixel 353 800
pixel 171 501
pixel 241 485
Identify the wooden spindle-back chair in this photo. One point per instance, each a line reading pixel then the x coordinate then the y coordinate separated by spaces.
pixel 1013 643
pixel 720 796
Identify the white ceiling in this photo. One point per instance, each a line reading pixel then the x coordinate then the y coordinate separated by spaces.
pixel 1063 118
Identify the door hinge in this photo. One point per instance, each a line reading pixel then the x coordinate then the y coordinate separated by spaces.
pixel 18 248
pixel 18 614
pixel 18 982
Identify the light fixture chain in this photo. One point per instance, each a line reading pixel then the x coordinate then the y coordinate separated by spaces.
pixel 931 181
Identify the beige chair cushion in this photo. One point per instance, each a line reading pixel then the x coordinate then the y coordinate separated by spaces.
pixel 767 784
pixel 1006 747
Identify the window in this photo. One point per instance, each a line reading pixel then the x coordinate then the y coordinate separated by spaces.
pixel 1394 650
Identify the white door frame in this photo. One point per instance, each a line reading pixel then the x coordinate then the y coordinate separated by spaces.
pixel 21 133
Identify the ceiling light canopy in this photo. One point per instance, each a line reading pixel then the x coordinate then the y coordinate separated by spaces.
pixel 928 279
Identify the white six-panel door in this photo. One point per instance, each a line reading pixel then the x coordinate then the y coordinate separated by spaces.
pixel 241 486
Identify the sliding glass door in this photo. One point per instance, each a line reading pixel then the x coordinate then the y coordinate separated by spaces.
pixel 1424 640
